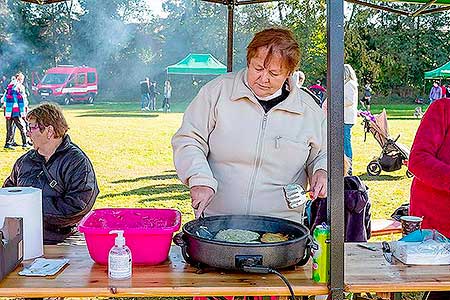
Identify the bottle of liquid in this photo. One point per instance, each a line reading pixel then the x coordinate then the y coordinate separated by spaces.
pixel 119 259
pixel 321 254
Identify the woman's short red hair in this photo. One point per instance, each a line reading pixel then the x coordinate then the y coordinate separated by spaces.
pixel 280 41
pixel 46 114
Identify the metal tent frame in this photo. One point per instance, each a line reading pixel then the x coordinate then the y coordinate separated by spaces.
pixel 335 84
pixel 230 20
pixel 422 10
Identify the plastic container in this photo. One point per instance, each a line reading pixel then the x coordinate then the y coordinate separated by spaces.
pixel 120 258
pixel 148 232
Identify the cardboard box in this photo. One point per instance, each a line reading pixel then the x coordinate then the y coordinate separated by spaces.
pixel 11 245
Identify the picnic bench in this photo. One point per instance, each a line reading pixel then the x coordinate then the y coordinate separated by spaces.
pixel 385 227
pixel 84 278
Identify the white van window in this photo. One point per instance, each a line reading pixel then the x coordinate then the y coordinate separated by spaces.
pixel 91 77
pixel 81 78
pixel 71 82
pixel 54 78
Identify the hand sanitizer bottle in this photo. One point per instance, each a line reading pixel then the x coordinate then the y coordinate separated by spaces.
pixel 119 259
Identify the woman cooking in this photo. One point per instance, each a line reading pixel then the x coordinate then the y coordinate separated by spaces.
pixel 247 134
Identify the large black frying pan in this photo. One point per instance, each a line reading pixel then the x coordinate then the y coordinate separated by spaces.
pixel 204 249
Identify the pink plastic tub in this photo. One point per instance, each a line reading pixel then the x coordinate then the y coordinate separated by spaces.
pixel 147 231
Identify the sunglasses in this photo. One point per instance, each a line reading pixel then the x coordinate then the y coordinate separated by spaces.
pixel 35 126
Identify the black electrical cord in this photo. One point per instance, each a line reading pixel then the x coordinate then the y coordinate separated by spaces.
pixel 286 282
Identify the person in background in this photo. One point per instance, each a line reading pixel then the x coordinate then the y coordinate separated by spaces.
pixel 152 95
pixel 248 134
pixel 435 92
pixel 15 110
pixel 167 95
pixel 145 90
pixel 60 169
pixel 367 98
pixel 350 110
pixel 444 90
pixel 3 88
pixel 3 84
pixel 318 90
pixel 429 161
pixel 299 78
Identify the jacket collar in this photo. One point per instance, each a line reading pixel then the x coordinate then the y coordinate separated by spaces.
pixel 65 144
pixel 242 91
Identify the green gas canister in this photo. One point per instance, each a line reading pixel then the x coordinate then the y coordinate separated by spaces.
pixel 321 254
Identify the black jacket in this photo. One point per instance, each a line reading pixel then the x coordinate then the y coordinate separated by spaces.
pixel 145 89
pixel 64 206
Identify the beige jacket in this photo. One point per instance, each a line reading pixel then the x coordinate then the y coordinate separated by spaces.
pixel 228 142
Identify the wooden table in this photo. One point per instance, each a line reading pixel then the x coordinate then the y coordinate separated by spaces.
pixel 84 278
pixel 368 271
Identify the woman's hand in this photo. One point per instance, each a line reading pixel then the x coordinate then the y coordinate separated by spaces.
pixel 319 184
pixel 201 197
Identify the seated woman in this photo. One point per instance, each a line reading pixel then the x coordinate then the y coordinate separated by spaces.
pixel 60 169
pixel 248 134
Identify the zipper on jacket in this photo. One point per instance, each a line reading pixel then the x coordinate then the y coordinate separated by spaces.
pixel 259 145
pixel 277 142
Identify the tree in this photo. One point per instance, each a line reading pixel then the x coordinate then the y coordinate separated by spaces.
pixel 393 51
pixel 35 36
pixel 308 21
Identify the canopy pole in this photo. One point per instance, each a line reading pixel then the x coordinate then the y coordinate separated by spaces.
pixel 230 7
pixel 422 8
pixel 380 7
pixel 335 127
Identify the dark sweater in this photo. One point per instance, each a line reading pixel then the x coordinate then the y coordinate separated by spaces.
pixel 269 104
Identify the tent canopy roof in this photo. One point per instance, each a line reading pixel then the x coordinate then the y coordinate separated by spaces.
pixel 441 72
pixel 198 64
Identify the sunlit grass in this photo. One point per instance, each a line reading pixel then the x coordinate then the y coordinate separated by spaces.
pixel 132 156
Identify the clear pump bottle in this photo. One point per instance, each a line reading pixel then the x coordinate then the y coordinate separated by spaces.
pixel 119 259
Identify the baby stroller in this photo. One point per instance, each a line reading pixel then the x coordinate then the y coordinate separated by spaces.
pixel 393 155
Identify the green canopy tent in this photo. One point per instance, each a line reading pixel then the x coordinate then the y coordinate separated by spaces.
pixel 198 64
pixel 439 73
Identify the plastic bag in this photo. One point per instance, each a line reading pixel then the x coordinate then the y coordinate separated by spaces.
pixel 44 267
pixel 422 247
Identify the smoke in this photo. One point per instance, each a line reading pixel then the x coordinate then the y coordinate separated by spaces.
pixel 121 38
pixel 24 45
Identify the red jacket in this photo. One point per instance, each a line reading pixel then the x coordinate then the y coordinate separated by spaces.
pixel 429 161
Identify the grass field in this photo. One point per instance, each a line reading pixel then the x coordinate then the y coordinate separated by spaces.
pixel 132 156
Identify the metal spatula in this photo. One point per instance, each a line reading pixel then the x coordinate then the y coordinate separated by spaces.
pixel 294 195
